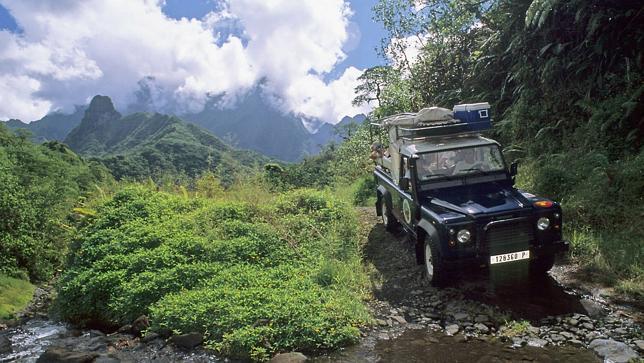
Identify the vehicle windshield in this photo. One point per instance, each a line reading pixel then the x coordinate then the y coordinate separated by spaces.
pixel 478 159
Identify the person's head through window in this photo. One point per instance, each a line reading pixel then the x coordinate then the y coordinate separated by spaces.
pixel 469 156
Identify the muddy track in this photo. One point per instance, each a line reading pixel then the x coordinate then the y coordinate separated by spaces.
pixel 485 316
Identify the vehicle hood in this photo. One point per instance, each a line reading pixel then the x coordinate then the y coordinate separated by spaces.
pixel 489 198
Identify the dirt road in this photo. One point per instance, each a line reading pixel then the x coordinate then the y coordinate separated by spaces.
pixel 484 316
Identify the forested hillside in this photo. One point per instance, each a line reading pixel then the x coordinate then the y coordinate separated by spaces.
pixel 565 82
pixel 39 186
pixel 143 145
pixel 54 126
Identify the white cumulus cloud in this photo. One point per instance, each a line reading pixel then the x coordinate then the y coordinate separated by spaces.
pixel 70 50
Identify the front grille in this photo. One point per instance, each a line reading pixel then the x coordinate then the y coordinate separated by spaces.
pixel 509 237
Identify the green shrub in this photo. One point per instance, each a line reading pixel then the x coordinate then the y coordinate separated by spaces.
pixel 365 191
pixel 254 279
pixel 39 185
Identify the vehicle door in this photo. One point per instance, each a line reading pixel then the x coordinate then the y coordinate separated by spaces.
pixel 404 206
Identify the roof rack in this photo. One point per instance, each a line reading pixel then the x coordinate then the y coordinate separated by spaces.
pixel 434 130
pixel 434 122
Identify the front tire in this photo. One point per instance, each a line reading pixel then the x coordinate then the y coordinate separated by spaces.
pixel 391 224
pixel 433 261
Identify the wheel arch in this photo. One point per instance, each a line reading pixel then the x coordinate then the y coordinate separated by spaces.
pixel 382 194
pixel 424 229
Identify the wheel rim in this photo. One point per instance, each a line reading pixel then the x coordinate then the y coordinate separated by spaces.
pixel 383 211
pixel 429 265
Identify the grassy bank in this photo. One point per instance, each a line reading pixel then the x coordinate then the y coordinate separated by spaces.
pixel 255 276
pixel 15 295
pixel 603 204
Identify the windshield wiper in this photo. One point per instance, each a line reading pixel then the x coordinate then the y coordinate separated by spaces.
pixel 435 175
pixel 472 169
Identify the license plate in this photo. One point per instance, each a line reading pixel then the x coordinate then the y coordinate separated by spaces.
pixel 509 257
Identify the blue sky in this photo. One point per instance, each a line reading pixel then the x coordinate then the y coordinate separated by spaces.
pixel 310 52
pixel 362 56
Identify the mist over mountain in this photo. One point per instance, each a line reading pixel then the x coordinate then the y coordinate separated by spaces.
pixel 252 121
pixel 144 143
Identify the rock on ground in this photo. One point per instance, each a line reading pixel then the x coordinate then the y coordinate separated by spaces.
pixel 452 329
pixel 293 357
pixel 187 341
pixel 5 345
pixel 613 351
pixel 61 355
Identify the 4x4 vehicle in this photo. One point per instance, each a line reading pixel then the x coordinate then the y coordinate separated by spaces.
pixel 451 190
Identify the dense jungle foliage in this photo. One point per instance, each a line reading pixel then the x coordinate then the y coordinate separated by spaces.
pixel 267 274
pixel 280 266
pixel 565 82
pixel 39 186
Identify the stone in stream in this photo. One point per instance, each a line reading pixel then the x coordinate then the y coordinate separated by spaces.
pixel 612 350
pixel 567 335
pixel 573 322
pixel 481 328
pixel 588 326
pixel 593 308
pixel 452 329
pixel 61 355
pixel 576 343
pixel 639 344
pixel 461 316
pixel 399 319
pixel 5 345
pixel 383 336
pixel 187 341
pixel 536 342
pixel 293 357
pixel 557 338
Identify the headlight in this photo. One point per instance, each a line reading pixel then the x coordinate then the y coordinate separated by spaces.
pixel 463 236
pixel 543 223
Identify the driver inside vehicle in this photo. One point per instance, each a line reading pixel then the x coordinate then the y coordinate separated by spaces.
pixel 465 161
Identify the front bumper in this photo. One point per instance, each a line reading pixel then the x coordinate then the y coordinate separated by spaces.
pixel 481 261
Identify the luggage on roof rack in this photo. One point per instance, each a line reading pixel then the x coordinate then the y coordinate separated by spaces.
pixel 437 122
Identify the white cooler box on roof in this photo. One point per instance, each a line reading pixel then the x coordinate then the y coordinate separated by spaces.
pixel 476 115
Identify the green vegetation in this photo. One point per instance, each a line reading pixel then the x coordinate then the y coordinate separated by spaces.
pixel 54 126
pixel 39 185
pixel 565 82
pixel 147 145
pixel 515 328
pixel 254 276
pixel 15 294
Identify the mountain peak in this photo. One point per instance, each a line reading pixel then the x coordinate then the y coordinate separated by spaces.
pixel 101 108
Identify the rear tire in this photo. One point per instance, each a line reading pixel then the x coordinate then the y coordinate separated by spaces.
pixel 542 265
pixel 390 222
pixel 434 268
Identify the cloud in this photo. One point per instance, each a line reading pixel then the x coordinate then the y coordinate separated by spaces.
pixel 310 96
pixel 403 51
pixel 71 50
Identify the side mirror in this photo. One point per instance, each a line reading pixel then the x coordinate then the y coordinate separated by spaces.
pixel 514 168
pixel 404 183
